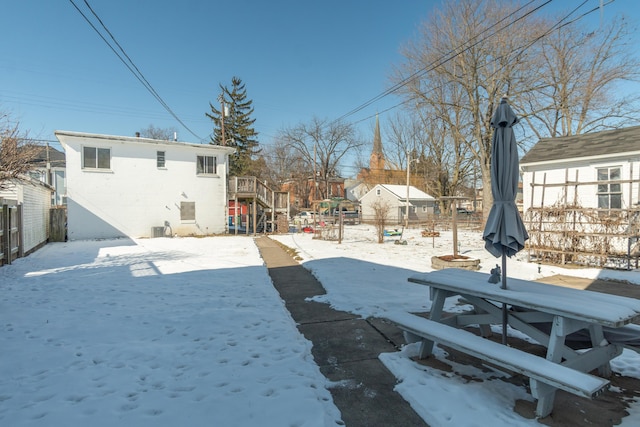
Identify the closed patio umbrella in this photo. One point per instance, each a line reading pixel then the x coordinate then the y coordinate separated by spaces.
pixel 504 233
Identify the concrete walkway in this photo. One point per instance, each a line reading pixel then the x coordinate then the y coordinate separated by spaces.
pixel 345 347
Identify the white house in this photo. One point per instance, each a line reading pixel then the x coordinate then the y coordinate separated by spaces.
pixel 49 167
pixel 421 205
pixel 137 187
pixel 594 170
pixel 354 189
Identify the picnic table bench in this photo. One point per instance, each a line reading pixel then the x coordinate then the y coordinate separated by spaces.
pixel 544 376
pixel 531 304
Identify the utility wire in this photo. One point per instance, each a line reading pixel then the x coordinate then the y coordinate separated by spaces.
pixel 128 62
pixel 560 24
pixel 453 53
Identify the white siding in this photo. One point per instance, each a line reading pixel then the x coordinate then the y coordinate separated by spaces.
pixel 368 200
pixel 585 195
pixel 397 204
pixel 135 195
pixel 36 203
pixel 35 198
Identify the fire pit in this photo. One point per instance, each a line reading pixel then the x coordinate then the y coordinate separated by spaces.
pixel 454 261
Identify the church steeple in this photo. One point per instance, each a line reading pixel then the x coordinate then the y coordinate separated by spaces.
pixel 376 161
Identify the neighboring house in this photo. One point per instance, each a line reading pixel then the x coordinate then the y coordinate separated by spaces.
pixel 49 167
pixel 595 170
pixel 354 190
pixel 34 199
pixel 137 187
pixel 421 205
pixel 303 193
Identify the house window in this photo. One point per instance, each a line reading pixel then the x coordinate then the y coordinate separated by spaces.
pixel 377 191
pixel 609 194
pixel 187 211
pixel 160 159
pixel 96 158
pixel 206 165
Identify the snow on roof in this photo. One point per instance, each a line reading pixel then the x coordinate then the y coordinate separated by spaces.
pixel 400 191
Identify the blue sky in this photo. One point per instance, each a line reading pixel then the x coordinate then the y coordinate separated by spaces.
pixel 298 59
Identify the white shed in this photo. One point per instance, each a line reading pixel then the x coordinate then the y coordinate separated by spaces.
pixel 121 186
pixel 34 197
pixel 599 170
pixel 421 205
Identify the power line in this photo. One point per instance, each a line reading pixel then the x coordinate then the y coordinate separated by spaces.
pixel 453 53
pixel 128 62
pixel 560 24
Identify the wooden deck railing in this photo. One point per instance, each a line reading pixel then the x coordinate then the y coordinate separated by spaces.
pixel 251 187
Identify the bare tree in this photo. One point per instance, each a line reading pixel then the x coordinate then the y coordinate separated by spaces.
pixel 404 139
pixel 165 134
pixel 380 217
pixel 279 165
pixel 443 168
pixel 321 145
pixel 17 152
pixel 470 53
pixel 578 74
pixel 461 90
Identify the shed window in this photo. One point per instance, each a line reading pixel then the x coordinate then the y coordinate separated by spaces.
pixel 609 194
pixel 96 158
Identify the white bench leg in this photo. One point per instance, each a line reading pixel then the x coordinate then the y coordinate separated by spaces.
pixel 597 340
pixel 545 395
pixel 426 346
pixel 437 304
pixel 435 314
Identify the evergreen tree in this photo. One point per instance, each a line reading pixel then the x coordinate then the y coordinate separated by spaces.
pixel 238 126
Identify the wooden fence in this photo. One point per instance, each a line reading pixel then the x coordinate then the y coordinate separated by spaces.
pixel 10 242
pixel 58 224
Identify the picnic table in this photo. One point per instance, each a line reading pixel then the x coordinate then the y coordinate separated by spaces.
pixel 531 306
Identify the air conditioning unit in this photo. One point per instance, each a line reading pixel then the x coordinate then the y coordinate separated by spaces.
pixel 157 231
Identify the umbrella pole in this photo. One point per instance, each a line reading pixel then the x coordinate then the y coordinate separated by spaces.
pixel 504 306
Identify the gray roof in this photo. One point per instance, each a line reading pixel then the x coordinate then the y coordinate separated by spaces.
pixel 56 158
pixel 596 144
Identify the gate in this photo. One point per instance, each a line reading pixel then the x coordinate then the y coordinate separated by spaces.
pixel 9 233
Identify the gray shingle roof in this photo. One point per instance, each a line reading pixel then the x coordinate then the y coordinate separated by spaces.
pixel 609 142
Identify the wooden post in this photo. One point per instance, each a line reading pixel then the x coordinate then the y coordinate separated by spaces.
pixel 255 216
pixel 530 220
pixel 565 197
pixel 6 239
pixel 454 227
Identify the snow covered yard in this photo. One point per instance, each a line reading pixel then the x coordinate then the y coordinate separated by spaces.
pixel 160 332
pixel 168 332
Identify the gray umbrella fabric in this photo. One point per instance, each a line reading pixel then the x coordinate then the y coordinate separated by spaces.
pixel 504 233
